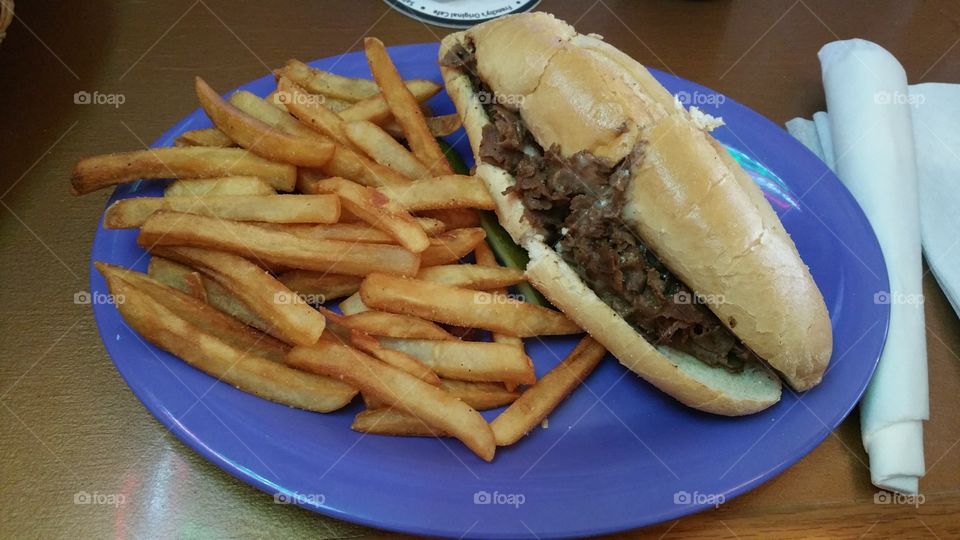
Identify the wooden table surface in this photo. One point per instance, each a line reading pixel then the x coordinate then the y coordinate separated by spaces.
pixel 69 423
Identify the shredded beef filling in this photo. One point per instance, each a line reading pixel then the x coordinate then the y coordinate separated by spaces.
pixel 577 204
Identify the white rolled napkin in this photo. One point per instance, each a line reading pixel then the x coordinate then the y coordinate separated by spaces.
pixel 868 139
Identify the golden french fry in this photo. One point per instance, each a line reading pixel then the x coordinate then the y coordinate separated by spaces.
pixel 203 316
pixel 397 359
pixel 98 172
pixel 479 395
pixel 320 285
pixel 374 108
pixel 267 113
pixel 259 137
pixel 275 247
pixel 238 367
pixel 539 400
pixel 323 82
pixel 485 257
pixel 378 210
pixel 347 232
pixel 309 109
pixel 444 125
pixel 451 246
pixel 353 305
pixel 442 192
pixel 178 276
pixel 472 276
pixel 468 360
pixel 204 137
pixel 405 108
pixel 462 307
pixel 194 286
pixel 266 296
pixel 381 323
pixel 389 421
pixel 384 149
pixel 129 213
pixel 228 185
pixel 398 389
pixel 457 218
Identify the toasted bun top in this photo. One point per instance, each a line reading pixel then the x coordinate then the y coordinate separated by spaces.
pixel 532 62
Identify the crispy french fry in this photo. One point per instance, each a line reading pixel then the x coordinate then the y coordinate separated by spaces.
pixel 389 421
pixel 485 257
pixel 259 137
pixel 343 88
pixel 539 400
pixel 400 390
pixel 472 276
pixel 442 192
pixel 267 113
pixel 347 232
pixel 238 367
pixel 204 137
pixel 458 218
pixel 440 126
pixel 353 305
pixel 266 296
pixel 462 307
pixel 397 359
pixel 203 316
pixel 129 213
pixel 178 276
pixel 98 172
pixel 194 286
pixel 228 185
pixel 384 149
pixel 405 108
pixel 468 360
pixel 444 125
pixel 320 285
pixel 374 108
pixel 480 395
pixel 323 82
pixel 275 247
pixel 381 323
pixel 373 207
pixel 310 110
pixel 451 246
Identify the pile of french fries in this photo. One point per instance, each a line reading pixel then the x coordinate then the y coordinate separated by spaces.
pixel 335 188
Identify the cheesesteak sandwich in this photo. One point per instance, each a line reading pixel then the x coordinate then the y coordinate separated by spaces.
pixel 639 225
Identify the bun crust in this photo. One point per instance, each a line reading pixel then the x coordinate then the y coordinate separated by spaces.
pixel 689 200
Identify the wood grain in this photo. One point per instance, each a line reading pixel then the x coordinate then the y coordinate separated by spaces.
pixel 69 424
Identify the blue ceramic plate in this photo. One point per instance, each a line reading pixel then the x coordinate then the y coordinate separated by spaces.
pixel 616 455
